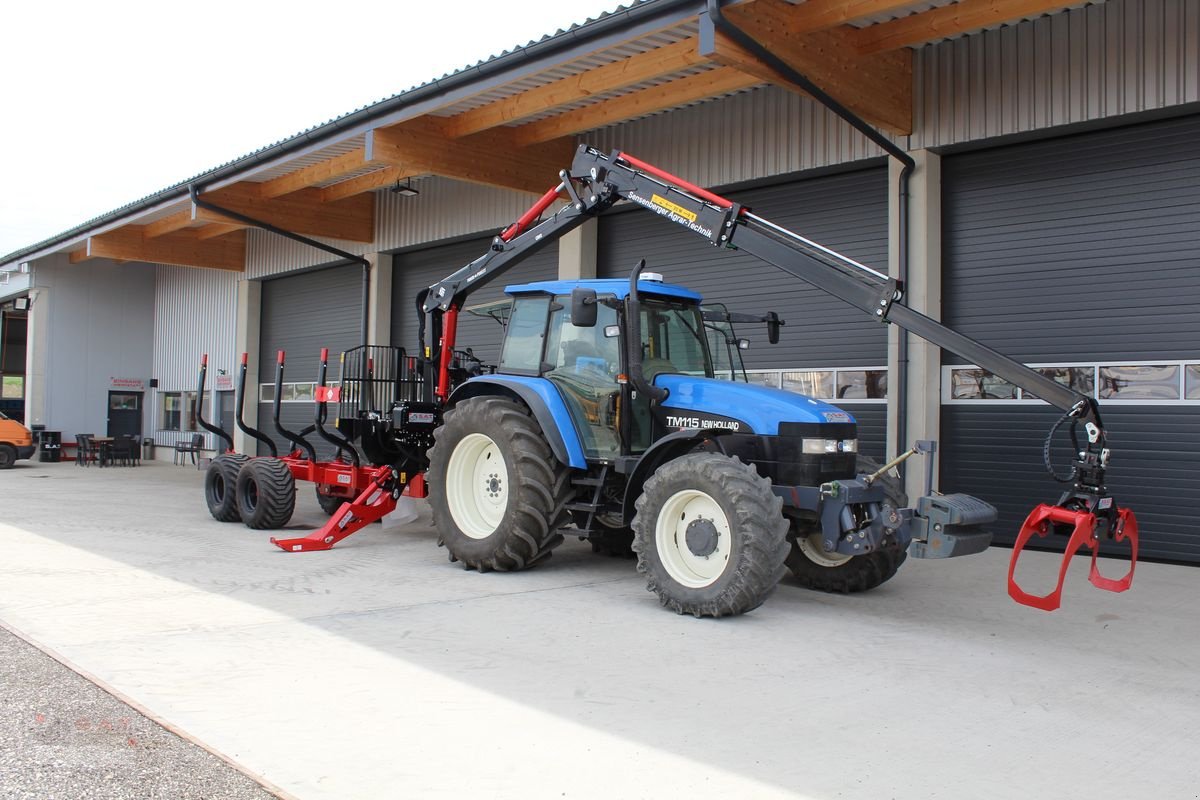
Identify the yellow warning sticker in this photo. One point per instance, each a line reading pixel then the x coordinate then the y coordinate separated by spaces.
pixel 674 208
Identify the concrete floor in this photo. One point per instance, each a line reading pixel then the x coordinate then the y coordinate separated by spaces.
pixel 378 669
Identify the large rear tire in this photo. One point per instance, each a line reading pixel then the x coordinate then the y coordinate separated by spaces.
pixel 266 493
pixel 497 492
pixel 329 503
pixel 816 569
pixel 710 536
pixel 220 485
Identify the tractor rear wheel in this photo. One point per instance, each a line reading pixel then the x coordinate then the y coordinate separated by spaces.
pixel 266 493
pixel 220 483
pixel 497 492
pixel 814 568
pixel 710 535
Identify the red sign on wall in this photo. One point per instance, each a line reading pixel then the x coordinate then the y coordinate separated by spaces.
pixel 129 384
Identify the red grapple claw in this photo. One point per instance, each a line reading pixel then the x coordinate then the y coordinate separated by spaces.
pixel 1083 534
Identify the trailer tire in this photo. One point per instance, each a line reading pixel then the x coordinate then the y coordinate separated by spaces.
pixel 266 493
pixel 505 520
pixel 8 456
pixel 728 566
pixel 329 503
pixel 220 486
pixel 832 572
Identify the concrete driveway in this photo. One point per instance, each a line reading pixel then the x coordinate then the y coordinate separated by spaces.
pixel 378 669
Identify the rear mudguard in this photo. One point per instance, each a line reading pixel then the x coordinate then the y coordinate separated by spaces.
pixel 543 399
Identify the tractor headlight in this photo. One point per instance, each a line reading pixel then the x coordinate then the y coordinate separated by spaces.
pixel 817 447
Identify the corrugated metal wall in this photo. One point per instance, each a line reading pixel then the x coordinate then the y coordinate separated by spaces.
pixel 195 312
pixel 1119 57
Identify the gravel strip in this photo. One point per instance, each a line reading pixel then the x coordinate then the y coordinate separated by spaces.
pixel 62 736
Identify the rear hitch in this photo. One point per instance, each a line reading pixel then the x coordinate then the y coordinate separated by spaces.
pixel 375 502
pixel 1118 524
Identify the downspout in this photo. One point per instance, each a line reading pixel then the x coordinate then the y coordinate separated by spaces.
pixel 751 45
pixel 364 329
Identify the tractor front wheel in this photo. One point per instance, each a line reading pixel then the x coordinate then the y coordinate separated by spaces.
pixel 220 482
pixel 497 492
pixel 710 536
pixel 266 493
pixel 814 568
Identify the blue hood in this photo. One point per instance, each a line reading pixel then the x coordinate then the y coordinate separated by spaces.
pixel 758 406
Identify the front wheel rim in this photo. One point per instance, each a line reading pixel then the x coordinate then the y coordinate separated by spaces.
pixel 670 535
pixel 476 487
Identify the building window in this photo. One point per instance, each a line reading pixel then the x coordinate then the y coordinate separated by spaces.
pixel 289 392
pixel 1160 382
pixel 839 384
pixel 178 412
pixel 12 387
pixel 172 409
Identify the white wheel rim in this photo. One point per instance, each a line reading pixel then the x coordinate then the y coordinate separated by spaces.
pixel 815 552
pixel 477 486
pixel 670 536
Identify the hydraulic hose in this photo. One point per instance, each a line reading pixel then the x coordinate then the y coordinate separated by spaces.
pixel 1074 473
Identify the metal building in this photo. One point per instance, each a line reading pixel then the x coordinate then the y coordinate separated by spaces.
pixel 1054 214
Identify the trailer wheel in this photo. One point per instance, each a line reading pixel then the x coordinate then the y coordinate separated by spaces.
pixel 497 492
pixel 8 456
pixel 220 486
pixel 816 569
pixel 329 503
pixel 710 535
pixel 266 493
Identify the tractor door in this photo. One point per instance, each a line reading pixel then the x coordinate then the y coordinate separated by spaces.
pixel 583 363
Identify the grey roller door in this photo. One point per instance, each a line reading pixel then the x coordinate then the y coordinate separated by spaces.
pixel 846 211
pixel 416 270
pixel 1076 250
pixel 300 315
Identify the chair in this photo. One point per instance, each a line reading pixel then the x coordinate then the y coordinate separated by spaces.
pixel 189 448
pixel 86 451
pixel 122 451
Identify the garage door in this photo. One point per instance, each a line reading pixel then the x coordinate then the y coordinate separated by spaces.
pixel 827 346
pixel 1080 254
pixel 417 270
pixel 300 315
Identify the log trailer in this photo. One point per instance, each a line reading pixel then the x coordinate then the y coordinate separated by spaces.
pixel 605 412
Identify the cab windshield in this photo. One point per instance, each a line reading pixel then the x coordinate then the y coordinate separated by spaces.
pixel 673 339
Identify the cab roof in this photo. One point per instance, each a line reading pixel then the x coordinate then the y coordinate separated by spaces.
pixel 618 287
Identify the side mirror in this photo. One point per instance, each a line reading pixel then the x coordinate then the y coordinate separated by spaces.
pixel 583 307
pixel 774 323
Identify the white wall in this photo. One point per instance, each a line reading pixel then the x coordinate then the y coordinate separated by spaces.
pixel 89 323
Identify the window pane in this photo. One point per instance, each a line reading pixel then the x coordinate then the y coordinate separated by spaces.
pixel 1193 382
pixel 1140 383
pixel 171 403
pixel 287 392
pixel 979 384
pixel 1081 379
pixel 523 340
pixel 862 384
pixel 814 383
pixel 123 402
pixel 13 387
pixel 304 392
pixel 266 393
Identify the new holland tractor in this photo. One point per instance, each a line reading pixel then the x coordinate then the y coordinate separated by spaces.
pixel 611 410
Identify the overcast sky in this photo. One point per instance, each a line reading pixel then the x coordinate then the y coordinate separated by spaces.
pixel 102 104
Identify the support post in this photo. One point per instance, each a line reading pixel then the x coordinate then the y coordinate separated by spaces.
pixel 923 293
pixel 379 300
pixel 249 320
pixel 577 252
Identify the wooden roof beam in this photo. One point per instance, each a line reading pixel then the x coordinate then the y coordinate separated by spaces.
pixel 876 87
pixel 321 172
pixel 722 80
pixel 303 211
pixel 820 15
pixel 493 158
pixel 369 182
pixel 182 248
pixel 938 23
pixel 610 77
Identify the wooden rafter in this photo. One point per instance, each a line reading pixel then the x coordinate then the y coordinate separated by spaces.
pixel 321 172
pixel 713 83
pixel 304 211
pixel 494 157
pixel 182 248
pixel 215 229
pixel 876 87
pixel 951 20
pixel 610 77
pixel 366 183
